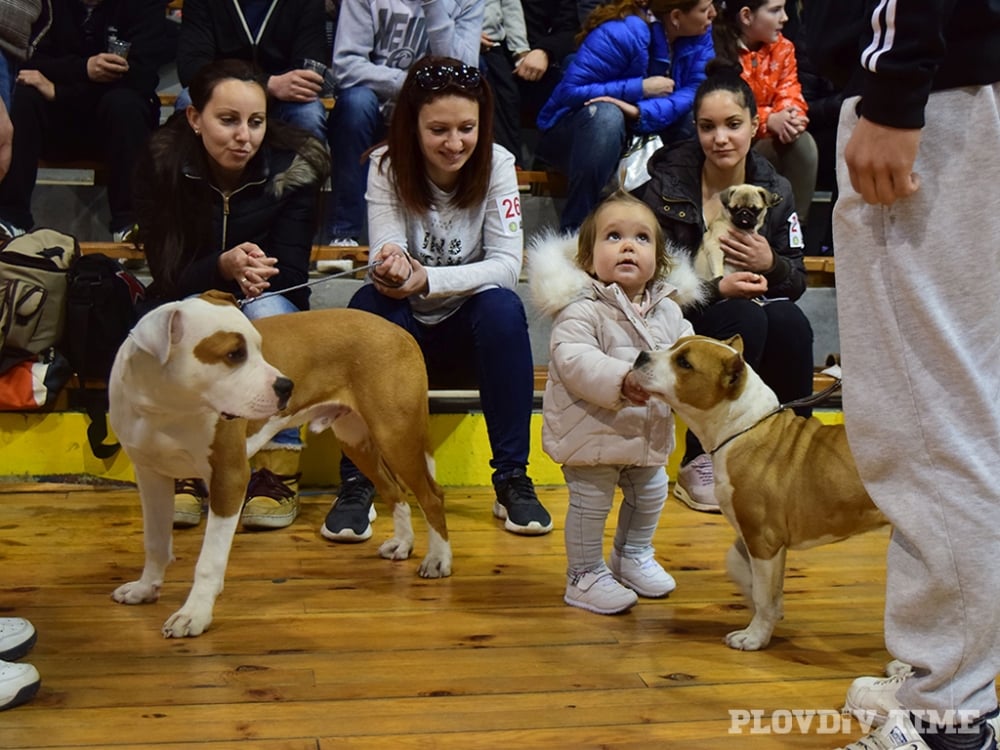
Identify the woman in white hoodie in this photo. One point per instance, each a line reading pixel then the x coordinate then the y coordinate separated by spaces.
pixel 614 293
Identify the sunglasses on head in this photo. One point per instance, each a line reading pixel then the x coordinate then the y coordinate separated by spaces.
pixel 436 77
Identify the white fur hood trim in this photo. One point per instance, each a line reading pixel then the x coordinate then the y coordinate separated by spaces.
pixel 555 280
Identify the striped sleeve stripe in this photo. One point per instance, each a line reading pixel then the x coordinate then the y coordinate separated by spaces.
pixel 883 34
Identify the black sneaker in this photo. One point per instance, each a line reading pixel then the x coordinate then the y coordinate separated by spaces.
pixel 349 520
pixel 517 504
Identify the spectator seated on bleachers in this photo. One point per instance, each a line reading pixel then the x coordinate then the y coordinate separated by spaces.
pixel 635 74
pixel 76 100
pixel 524 45
pixel 748 33
pixel 278 37
pixel 375 45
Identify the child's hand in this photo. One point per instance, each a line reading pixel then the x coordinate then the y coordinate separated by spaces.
pixel 634 392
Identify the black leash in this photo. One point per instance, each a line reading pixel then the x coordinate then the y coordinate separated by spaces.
pixel 813 400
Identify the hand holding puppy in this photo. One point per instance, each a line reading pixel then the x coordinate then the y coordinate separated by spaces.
pixel 743 284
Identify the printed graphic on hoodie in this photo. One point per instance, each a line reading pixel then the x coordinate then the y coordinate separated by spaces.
pixel 400 38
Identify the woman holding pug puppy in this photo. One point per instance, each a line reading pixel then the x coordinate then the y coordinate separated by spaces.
pixel 228 199
pixel 757 301
pixel 444 218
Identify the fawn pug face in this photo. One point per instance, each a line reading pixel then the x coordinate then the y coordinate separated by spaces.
pixel 746 205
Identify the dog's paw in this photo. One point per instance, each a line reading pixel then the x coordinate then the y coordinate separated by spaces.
pixel 747 639
pixel 136 592
pixel 184 624
pixel 396 548
pixel 434 566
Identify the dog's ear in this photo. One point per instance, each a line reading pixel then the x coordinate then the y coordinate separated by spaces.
pixel 771 199
pixel 218 298
pixel 736 342
pixel 733 370
pixel 726 194
pixel 157 331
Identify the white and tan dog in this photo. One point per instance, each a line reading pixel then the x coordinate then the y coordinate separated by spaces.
pixel 743 207
pixel 782 481
pixel 197 388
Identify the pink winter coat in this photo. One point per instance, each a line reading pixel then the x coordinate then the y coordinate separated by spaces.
pixel 596 335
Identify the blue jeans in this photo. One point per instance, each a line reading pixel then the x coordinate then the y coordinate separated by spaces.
pixel 8 74
pixel 265 308
pixel 310 116
pixel 355 124
pixel 586 146
pixel 483 344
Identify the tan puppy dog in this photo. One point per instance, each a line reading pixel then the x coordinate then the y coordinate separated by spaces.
pixel 197 388
pixel 782 481
pixel 743 207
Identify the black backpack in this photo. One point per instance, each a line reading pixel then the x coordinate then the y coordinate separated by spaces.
pixel 101 308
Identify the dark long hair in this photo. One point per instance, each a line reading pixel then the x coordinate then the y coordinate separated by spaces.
pixel 408 172
pixel 726 26
pixel 722 75
pixel 175 221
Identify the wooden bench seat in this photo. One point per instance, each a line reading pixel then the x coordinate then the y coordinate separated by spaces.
pixel 821 270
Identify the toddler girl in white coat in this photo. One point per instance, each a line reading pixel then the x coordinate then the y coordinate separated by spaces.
pixel 613 292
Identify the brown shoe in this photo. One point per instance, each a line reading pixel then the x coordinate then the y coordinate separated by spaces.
pixel 190 498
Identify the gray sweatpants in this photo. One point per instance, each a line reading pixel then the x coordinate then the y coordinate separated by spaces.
pixel 918 287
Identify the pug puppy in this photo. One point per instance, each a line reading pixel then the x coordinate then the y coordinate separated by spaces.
pixel 743 207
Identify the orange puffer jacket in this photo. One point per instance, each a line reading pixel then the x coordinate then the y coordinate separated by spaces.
pixel 773 76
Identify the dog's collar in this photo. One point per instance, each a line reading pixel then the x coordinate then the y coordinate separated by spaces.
pixel 816 398
pixel 735 435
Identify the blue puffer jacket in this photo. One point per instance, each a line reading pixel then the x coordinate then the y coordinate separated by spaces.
pixel 613 61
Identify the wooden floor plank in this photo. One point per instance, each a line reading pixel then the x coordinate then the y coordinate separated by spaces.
pixel 319 646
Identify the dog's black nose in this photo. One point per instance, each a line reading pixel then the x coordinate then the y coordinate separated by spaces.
pixel 642 359
pixel 283 390
pixel 745 218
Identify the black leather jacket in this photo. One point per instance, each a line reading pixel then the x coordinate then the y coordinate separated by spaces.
pixel 674 194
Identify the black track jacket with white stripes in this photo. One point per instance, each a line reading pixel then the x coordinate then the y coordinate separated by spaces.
pixel 907 48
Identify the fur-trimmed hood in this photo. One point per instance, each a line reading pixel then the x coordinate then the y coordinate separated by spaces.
pixel 301 171
pixel 555 280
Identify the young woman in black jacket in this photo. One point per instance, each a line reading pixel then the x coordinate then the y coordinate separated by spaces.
pixel 228 199
pixel 757 301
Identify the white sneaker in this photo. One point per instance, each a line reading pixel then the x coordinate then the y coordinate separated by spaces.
pixel 695 485
pixel 338 266
pixel 873 699
pixel 17 636
pixel 898 734
pixel 643 575
pixel 897 667
pixel 18 684
pixel 598 591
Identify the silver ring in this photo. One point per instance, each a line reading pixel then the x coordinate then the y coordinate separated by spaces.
pixel 244 280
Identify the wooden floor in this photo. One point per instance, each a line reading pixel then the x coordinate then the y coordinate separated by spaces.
pixel 318 646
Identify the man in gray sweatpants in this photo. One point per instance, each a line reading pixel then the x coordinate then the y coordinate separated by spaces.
pixel 916 229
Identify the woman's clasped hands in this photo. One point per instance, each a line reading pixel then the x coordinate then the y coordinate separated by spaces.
pixel 248 266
